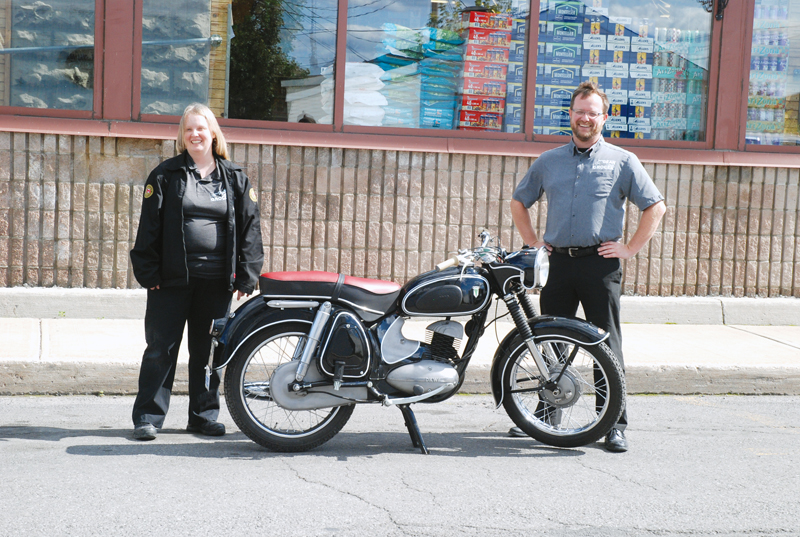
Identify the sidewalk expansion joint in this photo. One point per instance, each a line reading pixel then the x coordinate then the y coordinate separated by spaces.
pixel 763 336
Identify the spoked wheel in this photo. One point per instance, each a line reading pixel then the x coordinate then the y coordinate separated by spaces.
pixel 586 403
pixel 250 403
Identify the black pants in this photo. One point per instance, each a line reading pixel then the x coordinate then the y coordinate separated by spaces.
pixel 595 283
pixel 168 311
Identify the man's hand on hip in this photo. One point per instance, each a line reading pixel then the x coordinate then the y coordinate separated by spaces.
pixel 615 249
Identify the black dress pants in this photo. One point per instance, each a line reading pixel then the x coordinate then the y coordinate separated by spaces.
pixel 169 309
pixel 594 282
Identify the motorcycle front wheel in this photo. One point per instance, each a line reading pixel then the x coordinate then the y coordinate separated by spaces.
pixel 247 393
pixel 586 403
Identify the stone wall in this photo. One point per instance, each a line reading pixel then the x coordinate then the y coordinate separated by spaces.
pixel 69 209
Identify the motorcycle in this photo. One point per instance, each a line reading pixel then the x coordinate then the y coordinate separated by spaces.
pixel 312 345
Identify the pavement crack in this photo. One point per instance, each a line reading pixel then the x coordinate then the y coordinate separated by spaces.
pixel 616 477
pixel 362 499
pixel 408 485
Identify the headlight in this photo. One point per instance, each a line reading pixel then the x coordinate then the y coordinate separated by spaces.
pixel 542 268
pixel 535 264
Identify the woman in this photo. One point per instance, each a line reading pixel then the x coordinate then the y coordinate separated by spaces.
pixel 199 239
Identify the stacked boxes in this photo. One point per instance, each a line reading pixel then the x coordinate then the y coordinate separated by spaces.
pixel 487 70
pixel 516 74
pixel 633 37
pixel 652 76
pixel 560 67
pixel 679 85
pixel 439 69
pixel 771 110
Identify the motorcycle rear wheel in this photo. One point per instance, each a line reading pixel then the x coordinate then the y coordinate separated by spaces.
pixel 253 409
pixel 587 403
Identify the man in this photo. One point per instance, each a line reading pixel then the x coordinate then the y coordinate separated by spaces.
pixel 587 183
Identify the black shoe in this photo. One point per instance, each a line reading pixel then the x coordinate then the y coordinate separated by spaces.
pixel 145 431
pixel 208 428
pixel 615 441
pixel 516 432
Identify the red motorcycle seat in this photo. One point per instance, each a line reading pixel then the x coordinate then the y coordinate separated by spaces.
pixel 378 287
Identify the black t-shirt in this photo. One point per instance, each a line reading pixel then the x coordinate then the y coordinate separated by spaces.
pixel 205 211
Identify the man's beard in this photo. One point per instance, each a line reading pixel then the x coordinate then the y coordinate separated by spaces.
pixel 581 135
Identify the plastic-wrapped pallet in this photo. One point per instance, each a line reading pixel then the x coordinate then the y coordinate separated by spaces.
pixel 438 86
pixel 402 94
pixel 403 51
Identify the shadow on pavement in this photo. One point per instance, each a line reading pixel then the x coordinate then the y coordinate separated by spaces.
pixel 177 443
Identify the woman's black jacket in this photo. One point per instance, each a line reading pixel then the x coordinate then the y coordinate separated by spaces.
pixel 159 253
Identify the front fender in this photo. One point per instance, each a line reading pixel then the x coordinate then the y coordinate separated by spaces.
pixel 247 320
pixel 567 328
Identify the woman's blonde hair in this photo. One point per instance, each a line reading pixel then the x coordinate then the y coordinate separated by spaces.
pixel 218 146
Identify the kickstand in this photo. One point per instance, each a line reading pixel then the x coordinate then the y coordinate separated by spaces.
pixel 413 428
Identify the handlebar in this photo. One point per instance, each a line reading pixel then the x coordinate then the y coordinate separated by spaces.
pixel 483 253
pixel 452 262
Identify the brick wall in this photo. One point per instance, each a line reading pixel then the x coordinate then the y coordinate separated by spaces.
pixel 69 208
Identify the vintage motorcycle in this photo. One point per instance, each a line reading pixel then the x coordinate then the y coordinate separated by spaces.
pixel 312 345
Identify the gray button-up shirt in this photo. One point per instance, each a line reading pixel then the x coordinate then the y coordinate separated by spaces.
pixel 586 192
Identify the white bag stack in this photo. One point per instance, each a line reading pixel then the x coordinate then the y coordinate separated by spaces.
pixel 363 102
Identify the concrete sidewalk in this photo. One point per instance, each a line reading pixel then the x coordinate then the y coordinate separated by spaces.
pixel 70 341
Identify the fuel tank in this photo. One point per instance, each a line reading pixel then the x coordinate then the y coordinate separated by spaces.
pixel 450 292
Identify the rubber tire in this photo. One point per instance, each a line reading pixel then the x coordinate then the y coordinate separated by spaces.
pixel 244 419
pixel 614 377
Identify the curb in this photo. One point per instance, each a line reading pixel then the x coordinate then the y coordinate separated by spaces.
pixel 87 341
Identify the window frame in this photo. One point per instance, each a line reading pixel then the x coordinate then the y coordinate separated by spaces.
pixel 117 92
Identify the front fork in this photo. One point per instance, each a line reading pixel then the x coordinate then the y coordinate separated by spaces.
pixel 526 303
pixel 516 303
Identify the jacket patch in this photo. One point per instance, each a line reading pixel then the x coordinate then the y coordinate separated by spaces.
pixel 253 195
pixel 148 191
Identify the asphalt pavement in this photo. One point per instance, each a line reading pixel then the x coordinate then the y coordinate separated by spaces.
pixel 89 341
pixel 699 466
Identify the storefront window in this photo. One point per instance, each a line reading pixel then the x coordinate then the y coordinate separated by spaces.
pixel 436 64
pixel 774 91
pixel 47 54
pixel 651 59
pixel 266 60
pixel 282 56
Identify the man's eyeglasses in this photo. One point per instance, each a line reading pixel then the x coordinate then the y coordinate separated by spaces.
pixel 590 115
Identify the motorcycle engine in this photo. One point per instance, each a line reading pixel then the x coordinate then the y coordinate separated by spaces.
pixel 443 339
pixel 422 377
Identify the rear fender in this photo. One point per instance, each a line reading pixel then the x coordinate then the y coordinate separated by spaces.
pixel 252 317
pixel 566 328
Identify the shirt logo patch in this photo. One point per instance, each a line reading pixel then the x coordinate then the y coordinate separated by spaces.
pixel 603 165
pixel 253 195
pixel 219 195
pixel 148 191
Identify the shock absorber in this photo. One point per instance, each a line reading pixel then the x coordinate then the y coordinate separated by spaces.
pixel 527 334
pixel 320 320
